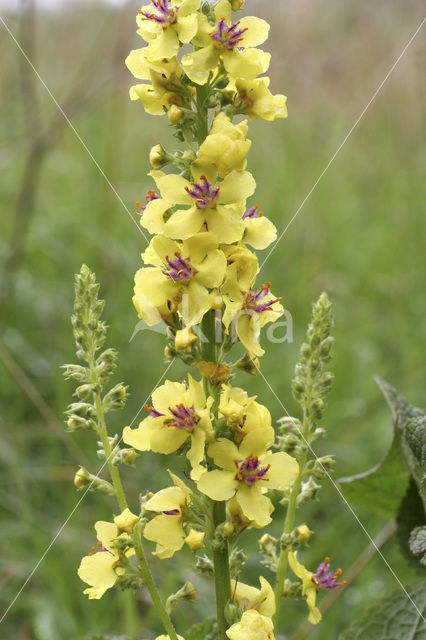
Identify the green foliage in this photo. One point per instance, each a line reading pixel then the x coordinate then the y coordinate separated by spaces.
pixel 394 618
pixel 206 630
pixel 410 518
pixel 382 488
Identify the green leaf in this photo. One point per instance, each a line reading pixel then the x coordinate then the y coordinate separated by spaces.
pixel 410 517
pixel 382 488
pixel 415 435
pixel 394 618
pixel 206 630
pixel 402 410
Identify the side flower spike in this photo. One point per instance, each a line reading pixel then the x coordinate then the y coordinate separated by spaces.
pixel 247 472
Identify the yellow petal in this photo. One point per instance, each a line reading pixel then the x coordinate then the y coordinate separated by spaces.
pixel 160 247
pixel 140 438
pixel 195 303
pixel 153 216
pixel 106 532
pixel 166 500
pixel 195 539
pixel 172 188
pixel 257 31
pixel 169 394
pixel 223 10
pixel 254 504
pixel 126 521
pixel 167 532
pixel 137 64
pixel 211 271
pixel 283 471
pixel 197 64
pixel 165 46
pixel 97 571
pixel 257 442
pixel 225 452
pixel 184 223
pixel 247 64
pixel 218 485
pixel 167 439
pixel 236 186
pixel 186 27
pixel 252 626
pixel 260 232
pixel 225 224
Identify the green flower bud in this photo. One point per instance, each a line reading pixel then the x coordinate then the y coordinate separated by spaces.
pixel 158 157
pixel 115 399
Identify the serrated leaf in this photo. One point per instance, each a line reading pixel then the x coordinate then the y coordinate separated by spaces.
pixel 382 488
pixel 410 516
pixel 415 435
pixel 206 630
pixel 402 410
pixel 394 618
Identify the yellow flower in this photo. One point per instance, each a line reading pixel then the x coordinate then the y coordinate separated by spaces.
pixel 102 568
pixel 231 44
pixel 246 264
pixel 237 516
pixel 179 411
pixel 180 280
pixel 167 529
pixel 253 626
pixel 248 472
pixel 242 413
pixel 309 588
pixel 210 207
pixel 184 339
pixel 260 232
pixel 248 310
pixel 225 149
pixel 164 24
pixel 163 637
pixel 257 101
pixel 126 521
pixel 246 597
pixel 162 77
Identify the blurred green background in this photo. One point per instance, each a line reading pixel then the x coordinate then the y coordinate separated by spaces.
pixel 360 236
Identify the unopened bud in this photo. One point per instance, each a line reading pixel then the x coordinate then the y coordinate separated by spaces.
pixel 85 480
pixel 250 364
pixel 186 593
pixel 158 157
pixel 126 521
pixel 267 543
pixel 75 372
pixel 232 613
pixel 195 539
pixel 82 479
pixel 303 533
pixel 174 114
pixel 236 4
pixel 216 300
pixel 115 399
pixel 184 339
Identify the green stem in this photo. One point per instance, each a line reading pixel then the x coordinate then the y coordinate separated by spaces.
pixel 121 498
pixel 222 576
pixel 288 526
pixel 203 114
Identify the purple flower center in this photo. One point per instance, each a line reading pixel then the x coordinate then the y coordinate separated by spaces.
pixel 179 269
pixel 253 212
pixel 172 512
pixel 326 579
pixel 150 196
pixel 184 417
pixel 227 37
pixel 255 300
pixel 250 471
pixel 164 15
pixel 204 194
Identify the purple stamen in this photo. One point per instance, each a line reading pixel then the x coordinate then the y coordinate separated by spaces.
pixel 172 512
pixel 150 196
pixel 179 269
pixel 253 212
pixel 184 417
pixel 326 579
pixel 228 37
pixel 204 194
pixel 250 471
pixel 253 299
pixel 154 413
pixel 165 14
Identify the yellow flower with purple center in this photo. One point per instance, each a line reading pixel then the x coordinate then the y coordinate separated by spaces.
pixel 252 626
pixel 210 207
pixel 102 568
pixel 313 582
pixel 179 412
pixel 162 80
pixel 232 44
pixel 255 100
pixel 167 529
pixel 248 311
pixel 163 24
pixel 180 280
pixel 247 472
pixel 260 232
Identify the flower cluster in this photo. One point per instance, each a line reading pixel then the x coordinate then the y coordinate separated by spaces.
pixel 198 278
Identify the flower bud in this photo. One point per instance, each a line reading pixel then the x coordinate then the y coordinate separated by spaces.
pixel 195 539
pixel 303 533
pixel 75 372
pixel 82 479
pixel 126 521
pixel 174 114
pixel 184 339
pixel 250 364
pixel 157 157
pixel 216 300
pixel 236 4
pixel 115 399
pixel 232 613
pixel 85 480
